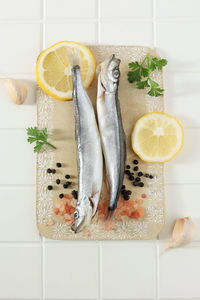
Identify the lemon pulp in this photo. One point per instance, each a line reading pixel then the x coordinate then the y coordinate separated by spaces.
pixel 157 137
pixel 53 70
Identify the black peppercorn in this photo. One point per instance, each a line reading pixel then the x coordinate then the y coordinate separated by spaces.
pixel 75 194
pixel 137 179
pixel 127 172
pixel 126 197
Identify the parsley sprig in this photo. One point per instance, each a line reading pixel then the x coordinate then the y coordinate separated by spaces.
pixel 38 136
pixel 143 71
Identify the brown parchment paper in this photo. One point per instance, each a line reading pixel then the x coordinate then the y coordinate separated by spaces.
pixel 58 117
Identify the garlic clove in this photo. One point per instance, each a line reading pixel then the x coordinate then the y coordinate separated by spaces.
pixel 16 90
pixel 184 232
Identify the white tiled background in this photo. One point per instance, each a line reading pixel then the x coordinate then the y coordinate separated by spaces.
pixel 34 268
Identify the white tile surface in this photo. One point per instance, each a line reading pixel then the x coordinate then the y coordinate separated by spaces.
pixel 178 42
pixel 18 159
pixel 20 9
pixel 179 274
pixel 20 272
pixel 82 31
pixel 126 8
pixel 71 270
pixel 18 116
pixel 184 168
pixel 182 96
pixel 66 9
pixel 20 46
pixel 181 201
pixel 127 33
pixel 178 8
pixel 17 215
pixel 125 268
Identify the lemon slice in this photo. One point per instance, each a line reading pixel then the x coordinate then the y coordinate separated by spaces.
pixel 53 70
pixel 157 137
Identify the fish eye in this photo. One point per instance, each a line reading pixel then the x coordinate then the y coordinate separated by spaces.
pixel 116 73
pixel 76 214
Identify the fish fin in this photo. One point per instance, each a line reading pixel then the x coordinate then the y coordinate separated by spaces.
pixel 109 219
pixel 98 69
pixel 73 56
pixel 100 89
pixel 94 200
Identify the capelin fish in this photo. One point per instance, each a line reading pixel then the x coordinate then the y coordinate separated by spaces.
pixel 89 155
pixel 111 128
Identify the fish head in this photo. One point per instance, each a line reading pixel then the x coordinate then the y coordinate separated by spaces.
pixel 82 215
pixel 109 74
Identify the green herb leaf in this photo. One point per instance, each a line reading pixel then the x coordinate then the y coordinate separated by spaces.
pixel 144 72
pixel 133 65
pixel 38 146
pixel 38 136
pixel 153 83
pixel 139 71
pixel 142 84
pixel 157 63
pixel 156 92
pixel 33 131
pixel 31 139
pixel 134 76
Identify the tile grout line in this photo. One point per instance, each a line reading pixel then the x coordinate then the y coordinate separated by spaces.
pixel 157 273
pixel 154 23
pixel 17 186
pixel 43 252
pixel 157 269
pixel 106 19
pixel 43 24
pixel 43 268
pixel 100 271
pixel 98 21
pixel 20 244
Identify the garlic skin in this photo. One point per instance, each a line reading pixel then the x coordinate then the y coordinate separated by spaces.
pixel 184 232
pixel 16 90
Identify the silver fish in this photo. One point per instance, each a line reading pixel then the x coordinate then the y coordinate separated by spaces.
pixel 111 128
pixel 89 155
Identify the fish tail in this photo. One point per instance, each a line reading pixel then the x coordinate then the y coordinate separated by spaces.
pixel 109 219
pixel 73 56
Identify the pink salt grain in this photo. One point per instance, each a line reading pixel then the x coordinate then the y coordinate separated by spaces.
pixel 144 195
pixel 50 223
